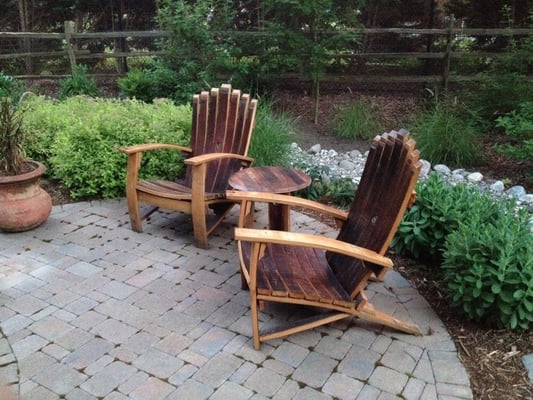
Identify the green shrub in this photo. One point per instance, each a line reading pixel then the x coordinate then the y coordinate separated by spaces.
pixel 156 80
pixel 497 93
pixel 443 136
pixel 271 137
pixel 488 264
pixel 78 84
pixel 357 120
pixel 79 140
pixel 336 190
pixel 10 87
pixel 519 124
pixel 505 84
pixel 438 211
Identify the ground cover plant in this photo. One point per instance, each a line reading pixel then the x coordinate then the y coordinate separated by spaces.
pixel 518 125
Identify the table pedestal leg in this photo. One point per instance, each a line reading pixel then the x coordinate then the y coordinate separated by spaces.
pixel 279 218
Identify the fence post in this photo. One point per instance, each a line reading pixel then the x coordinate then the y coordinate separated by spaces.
pixel 448 56
pixel 70 44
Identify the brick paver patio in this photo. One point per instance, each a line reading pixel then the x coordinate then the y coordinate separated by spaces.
pixel 90 309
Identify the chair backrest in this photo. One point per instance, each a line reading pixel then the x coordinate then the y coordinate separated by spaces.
pixel 222 122
pixel 381 198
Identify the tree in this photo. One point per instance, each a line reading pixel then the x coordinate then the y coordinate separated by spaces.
pixel 490 13
pixel 307 32
pixel 89 15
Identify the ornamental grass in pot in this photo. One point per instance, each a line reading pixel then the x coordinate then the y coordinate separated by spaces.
pixel 24 204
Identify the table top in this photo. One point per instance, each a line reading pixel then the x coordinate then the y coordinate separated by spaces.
pixel 269 179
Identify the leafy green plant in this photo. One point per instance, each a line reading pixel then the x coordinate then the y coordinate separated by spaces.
pixel 519 124
pixel 80 139
pixel 438 210
pixel 444 136
pixel 78 83
pixel 357 120
pixel 153 81
pixel 12 138
pixel 505 84
pixel 325 189
pixel 11 87
pixel 271 137
pixel 488 264
pixel 196 47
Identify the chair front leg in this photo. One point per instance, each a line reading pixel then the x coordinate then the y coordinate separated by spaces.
pixel 198 206
pixel 132 176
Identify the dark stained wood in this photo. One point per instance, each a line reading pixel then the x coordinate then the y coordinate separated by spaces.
pixel 321 272
pixel 272 180
pixel 222 123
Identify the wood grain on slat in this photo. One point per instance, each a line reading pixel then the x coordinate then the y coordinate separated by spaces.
pixel 270 180
pixel 329 273
pixel 222 123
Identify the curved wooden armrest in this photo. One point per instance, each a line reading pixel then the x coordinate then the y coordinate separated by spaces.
pixel 292 201
pixel 204 158
pixel 308 240
pixel 153 146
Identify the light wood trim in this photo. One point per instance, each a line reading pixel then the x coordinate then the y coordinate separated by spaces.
pixel 370 313
pixel 308 240
pixel 154 146
pixel 286 200
pixel 204 158
pixel 300 328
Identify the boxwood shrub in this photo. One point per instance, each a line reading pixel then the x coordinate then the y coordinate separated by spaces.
pixel 79 140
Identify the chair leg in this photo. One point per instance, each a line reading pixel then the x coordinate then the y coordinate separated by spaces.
pixel 255 322
pixel 369 313
pixel 199 224
pixel 134 211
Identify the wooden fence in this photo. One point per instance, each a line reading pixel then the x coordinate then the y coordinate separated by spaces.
pixel 443 56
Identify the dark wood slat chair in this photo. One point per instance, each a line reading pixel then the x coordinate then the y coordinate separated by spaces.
pixel 222 124
pixel 331 274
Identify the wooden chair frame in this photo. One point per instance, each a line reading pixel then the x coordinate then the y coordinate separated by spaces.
pixel 297 268
pixel 223 120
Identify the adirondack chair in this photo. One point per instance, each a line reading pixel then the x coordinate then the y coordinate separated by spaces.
pixel 222 124
pixel 326 273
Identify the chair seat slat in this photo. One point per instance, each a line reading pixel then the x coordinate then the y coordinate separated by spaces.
pixel 305 274
pixel 171 190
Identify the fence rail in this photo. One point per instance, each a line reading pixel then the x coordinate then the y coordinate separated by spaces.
pixel 73 50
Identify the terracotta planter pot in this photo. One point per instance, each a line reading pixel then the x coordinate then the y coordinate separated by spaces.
pixel 24 205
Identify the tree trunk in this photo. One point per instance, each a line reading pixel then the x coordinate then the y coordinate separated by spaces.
pixel 25 27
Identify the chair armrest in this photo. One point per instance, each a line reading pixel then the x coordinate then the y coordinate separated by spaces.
pixel 292 201
pixel 204 158
pixel 314 241
pixel 153 146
